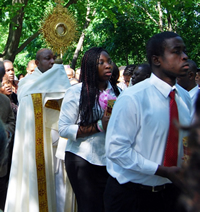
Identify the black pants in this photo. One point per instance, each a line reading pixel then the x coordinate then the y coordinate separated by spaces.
pixel 3 191
pixel 126 198
pixel 88 182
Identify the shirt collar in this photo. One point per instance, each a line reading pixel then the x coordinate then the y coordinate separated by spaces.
pixel 109 87
pixel 162 86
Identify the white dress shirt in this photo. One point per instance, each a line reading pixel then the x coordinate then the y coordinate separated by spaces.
pixel 137 131
pixel 193 95
pixel 90 148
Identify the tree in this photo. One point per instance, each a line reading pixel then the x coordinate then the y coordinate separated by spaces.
pixel 122 27
pixel 136 21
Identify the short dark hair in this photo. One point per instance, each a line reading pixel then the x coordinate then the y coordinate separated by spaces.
pixel 156 44
pixel 39 52
pixel 2 70
pixel 192 66
pixel 145 67
pixel 128 71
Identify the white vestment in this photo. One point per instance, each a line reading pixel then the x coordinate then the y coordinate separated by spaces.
pixel 22 193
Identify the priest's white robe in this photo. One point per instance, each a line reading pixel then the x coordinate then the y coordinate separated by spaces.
pixel 22 195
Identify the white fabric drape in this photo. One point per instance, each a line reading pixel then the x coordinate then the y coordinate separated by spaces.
pixel 22 193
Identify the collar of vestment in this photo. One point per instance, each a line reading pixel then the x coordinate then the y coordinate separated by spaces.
pixel 54 80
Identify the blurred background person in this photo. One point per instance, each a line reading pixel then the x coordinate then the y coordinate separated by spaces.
pixel 127 74
pixel 7 128
pixel 20 76
pixel 71 74
pixel 9 71
pixel 31 66
pixel 69 71
pixel 77 74
pixel 197 78
pixel 141 72
pixel 7 90
pixel 189 84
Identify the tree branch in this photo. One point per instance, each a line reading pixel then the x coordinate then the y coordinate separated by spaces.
pixel 70 3
pixel 27 42
pixel 150 16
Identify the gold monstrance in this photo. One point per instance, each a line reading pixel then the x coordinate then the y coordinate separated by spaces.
pixel 59 29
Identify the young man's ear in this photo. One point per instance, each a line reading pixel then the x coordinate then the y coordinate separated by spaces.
pixel 155 60
pixel 36 62
pixel 191 75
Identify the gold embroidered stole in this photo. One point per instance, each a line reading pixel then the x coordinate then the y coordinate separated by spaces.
pixel 39 152
pixel 53 104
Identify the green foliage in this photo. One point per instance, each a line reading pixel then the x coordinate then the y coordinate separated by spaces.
pixel 122 27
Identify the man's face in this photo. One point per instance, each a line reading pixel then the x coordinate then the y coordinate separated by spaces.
pixel 184 81
pixel 6 87
pixel 46 60
pixel 69 73
pixel 174 61
pixel 31 68
pixel 9 70
pixel 127 80
pixel 138 75
pixel 197 78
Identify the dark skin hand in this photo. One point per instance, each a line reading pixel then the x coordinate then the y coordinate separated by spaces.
pixel 173 174
pixel 91 129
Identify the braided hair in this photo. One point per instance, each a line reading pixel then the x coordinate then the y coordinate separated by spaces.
pixel 90 91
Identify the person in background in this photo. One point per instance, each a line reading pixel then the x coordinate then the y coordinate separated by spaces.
pixel 121 71
pixel 144 149
pixel 31 67
pixel 20 76
pixel 7 129
pixel 189 84
pixel 69 71
pixel 9 71
pixel 127 74
pixel 7 90
pixel 32 179
pixel 141 72
pixel 71 75
pixel 197 78
pixel 77 74
pixel 83 120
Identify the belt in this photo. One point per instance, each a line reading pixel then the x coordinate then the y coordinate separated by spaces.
pixel 148 188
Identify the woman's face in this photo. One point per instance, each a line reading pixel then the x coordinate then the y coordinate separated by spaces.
pixel 104 67
pixel 6 87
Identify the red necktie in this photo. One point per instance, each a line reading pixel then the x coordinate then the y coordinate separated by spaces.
pixel 171 152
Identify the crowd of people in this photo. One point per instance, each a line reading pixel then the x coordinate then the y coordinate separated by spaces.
pixel 102 138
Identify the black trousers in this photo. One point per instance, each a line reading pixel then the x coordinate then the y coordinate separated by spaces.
pixel 3 191
pixel 88 182
pixel 127 198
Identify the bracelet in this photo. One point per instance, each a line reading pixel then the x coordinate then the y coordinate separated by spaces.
pixel 100 126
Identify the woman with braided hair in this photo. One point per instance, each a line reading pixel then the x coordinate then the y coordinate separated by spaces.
pixel 83 120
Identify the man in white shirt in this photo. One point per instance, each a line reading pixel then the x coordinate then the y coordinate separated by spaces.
pixel 137 134
pixel 189 84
